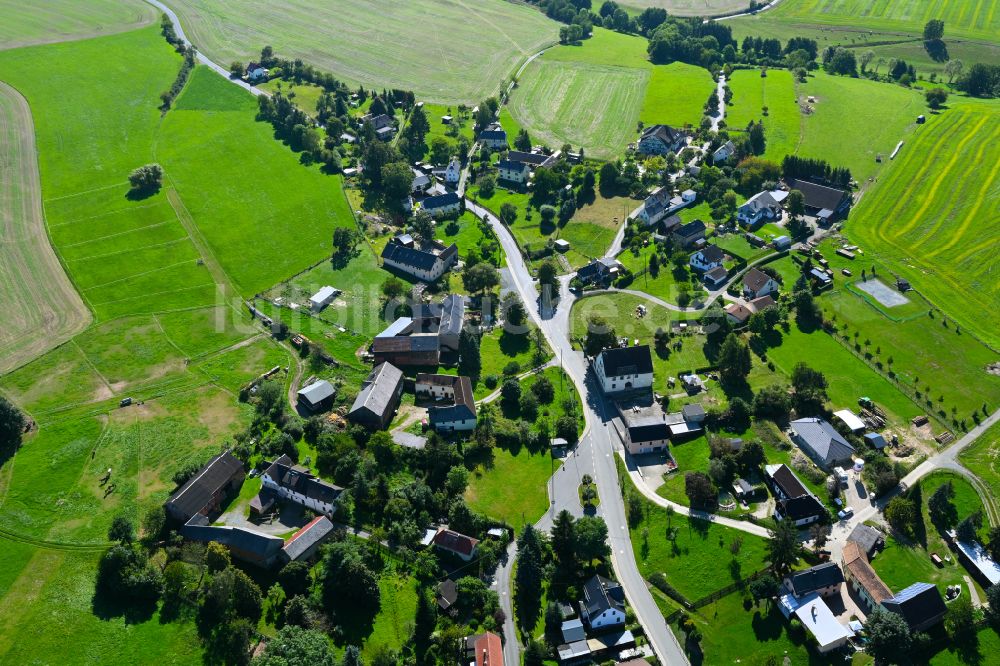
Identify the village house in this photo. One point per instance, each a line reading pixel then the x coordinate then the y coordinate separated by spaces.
pixel 460 545
pixel 723 152
pixel 821 442
pixel 603 603
pixel 453 172
pixel 868 538
pixel 621 369
pixel 818 620
pixel 862 577
pixel 822 202
pixel 661 202
pixel 379 397
pixel 534 159
pixel 493 138
pixel 715 278
pixel 761 207
pixel 977 561
pixel 688 234
pixel 601 271
pixel 823 579
pixel 513 172
pixel 646 428
pixel 757 283
pixel 446 594
pixel 447 318
pixel 707 258
pixel 304 544
pixel 795 502
pixel 460 411
pixel 205 492
pixel 421 182
pixel 297 484
pixel 660 140
pixel 740 311
pixel 483 650
pixel 422 264
pixel 316 397
pixel 255 72
pixel 442 204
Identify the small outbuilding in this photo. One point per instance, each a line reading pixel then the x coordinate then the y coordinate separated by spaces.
pixel 317 396
pixel 322 298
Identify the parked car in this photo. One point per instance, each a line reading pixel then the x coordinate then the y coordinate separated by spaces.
pixel 844 514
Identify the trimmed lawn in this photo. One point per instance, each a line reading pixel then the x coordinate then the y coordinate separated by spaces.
pixel 498 348
pixel 513 487
pixel 776 91
pixel 304 95
pixel 664 286
pixel 65 20
pixel 691 456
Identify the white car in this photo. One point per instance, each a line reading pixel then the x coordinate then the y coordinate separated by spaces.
pixel 844 514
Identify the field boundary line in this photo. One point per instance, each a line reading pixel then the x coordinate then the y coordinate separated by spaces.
pixel 81 193
pixel 136 275
pixel 137 249
pixel 166 337
pixel 93 367
pixel 94 217
pixel 116 235
pixel 159 293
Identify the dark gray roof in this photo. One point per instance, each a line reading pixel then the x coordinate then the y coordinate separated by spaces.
pixel 441 200
pixel 446 593
pixel 420 342
pixel 645 423
pixel 452 315
pixel 512 165
pixel 664 133
pixel 409 256
pixel 693 412
pixel 379 389
pixel 801 507
pixel 493 134
pixel 820 196
pixel 249 541
pixel 717 274
pixel 463 408
pixel 785 479
pixel 301 481
pixel 820 436
pixel 712 253
pixel 601 594
pixel 691 228
pixel 315 532
pixel 420 180
pixel 920 604
pixel 627 361
pixel 755 279
pixel 867 537
pixel 213 477
pixel 317 392
pixel 528 158
pixel 815 578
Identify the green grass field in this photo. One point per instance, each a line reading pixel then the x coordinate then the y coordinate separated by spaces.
pixel 982 458
pixel 405 49
pixel 689 7
pixel 25 24
pixel 930 218
pixel 594 94
pixel 776 91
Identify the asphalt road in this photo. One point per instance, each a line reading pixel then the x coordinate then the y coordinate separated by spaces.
pixel 593 455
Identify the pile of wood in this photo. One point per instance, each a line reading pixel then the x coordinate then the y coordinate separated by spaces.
pixel 945 438
pixel 919 420
pixel 873 419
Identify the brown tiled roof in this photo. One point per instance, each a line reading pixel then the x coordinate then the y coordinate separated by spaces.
pixel 455 542
pixel 755 279
pixel 857 564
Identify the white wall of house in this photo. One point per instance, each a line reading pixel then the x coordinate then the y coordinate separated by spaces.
pixel 609 618
pixel 699 262
pixel 429 276
pixel 636 448
pixel 457 425
pixel 453 173
pixel 298 498
pixel 769 287
pixel 620 383
pixel 443 210
pixel 435 390
pixel 513 175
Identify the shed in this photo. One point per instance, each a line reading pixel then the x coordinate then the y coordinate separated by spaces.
pixel 850 419
pixel 317 395
pixel 782 243
pixel 876 440
pixel 561 244
pixel 322 298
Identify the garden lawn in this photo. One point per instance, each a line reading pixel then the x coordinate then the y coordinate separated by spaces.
pixel 304 95
pixel 392 625
pixel 462 124
pixel 485 42
pixel 928 217
pixel 467 233
pixel 699 561
pixel 776 91
pixel 664 286
pixel 498 348
pixel 690 456
pixel 593 228
pixel 208 146
pixel 63 20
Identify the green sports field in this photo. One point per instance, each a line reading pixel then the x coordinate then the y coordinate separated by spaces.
pixel 26 23
pixel 932 216
pixel 594 94
pixel 447 52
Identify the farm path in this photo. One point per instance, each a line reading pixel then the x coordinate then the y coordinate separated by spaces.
pixel 770 5
pixel 41 307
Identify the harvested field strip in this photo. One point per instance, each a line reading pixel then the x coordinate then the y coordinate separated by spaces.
pixel 41 308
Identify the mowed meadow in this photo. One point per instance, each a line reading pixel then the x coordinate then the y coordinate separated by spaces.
pixel 933 215
pixel 595 93
pixel 26 23
pixel 446 52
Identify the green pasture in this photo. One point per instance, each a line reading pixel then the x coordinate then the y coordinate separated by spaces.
pixel 929 217
pixel 404 49
pixel 208 148
pixel 305 95
pixel 688 7
pixel 233 368
pixel 593 94
pixel 982 458
pixel 776 91
pixel 26 23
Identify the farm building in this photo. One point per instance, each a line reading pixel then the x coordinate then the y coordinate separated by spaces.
pixel 621 369
pixel 868 538
pixel 405 343
pixel 688 234
pixel 646 428
pixel 850 419
pixel 920 604
pixel 781 243
pixel 317 396
pixel 304 544
pixel 422 264
pixel 379 397
pixel 824 203
pixel 459 413
pixel 660 140
pixel 862 577
pixel 821 442
pixel 818 620
pixel 561 244
pixel 205 491
pixel 322 298
pixel 981 566
pixel 296 484
pixel 257 548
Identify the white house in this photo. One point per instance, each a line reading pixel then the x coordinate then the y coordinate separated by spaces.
pixel 757 283
pixel 322 298
pixel 453 172
pixel 760 207
pixel 458 409
pixel 624 369
pixel 426 265
pixel 707 258
pixel 646 428
pixel 723 152
pixel 442 204
pixel 514 172
pixel 660 140
pixel 660 203
pixel 460 545
pixel 295 484
pixel 255 72
pixel 603 603
pixel 494 138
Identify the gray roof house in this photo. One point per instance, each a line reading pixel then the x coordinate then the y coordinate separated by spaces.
pixel 868 538
pixel 821 442
pixel 317 395
pixel 690 233
pixel 204 492
pixel 304 544
pixel 921 605
pixel 761 206
pixel 423 264
pixel 660 139
pixel 824 579
pixel 603 603
pixel 379 397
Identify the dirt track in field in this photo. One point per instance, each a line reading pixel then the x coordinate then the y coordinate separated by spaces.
pixel 39 306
